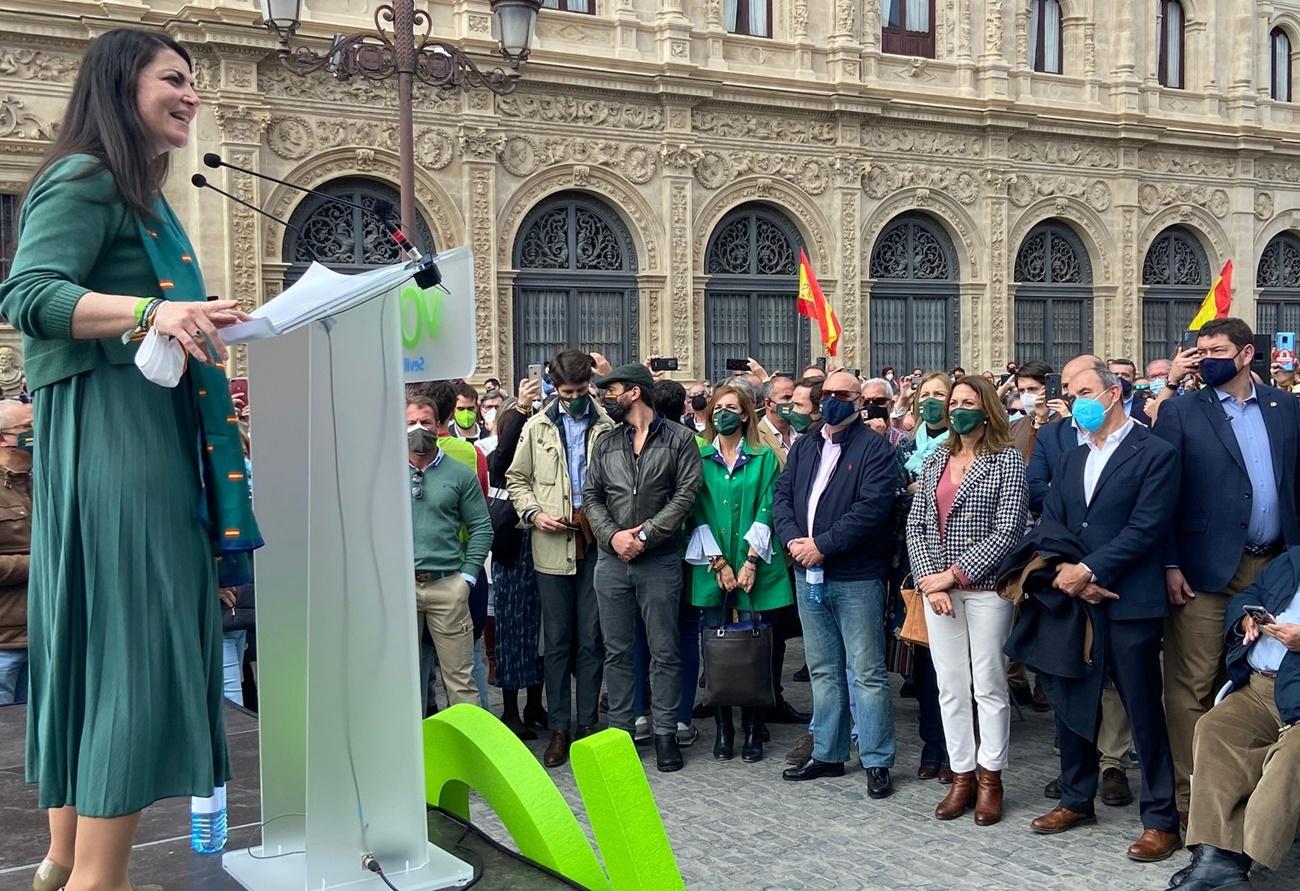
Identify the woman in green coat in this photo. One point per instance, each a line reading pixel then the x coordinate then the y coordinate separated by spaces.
pixel 731 546
pixel 138 488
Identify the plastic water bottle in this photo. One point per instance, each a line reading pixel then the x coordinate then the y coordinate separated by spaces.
pixel 815 576
pixel 208 822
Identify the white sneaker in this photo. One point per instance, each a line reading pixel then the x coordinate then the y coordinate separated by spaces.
pixel 642 731
pixel 686 734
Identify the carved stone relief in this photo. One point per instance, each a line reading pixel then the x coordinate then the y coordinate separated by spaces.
pixel 481 201
pixel 582 111
pixel 885 179
pixel 1279 171
pixel 788 130
pixel 923 142
pixel 241 123
pixel 1025 188
pixel 850 305
pixel 1187 163
pixel 1152 197
pixel 680 296
pixel 39 65
pixel 524 155
pixel 999 302
pixel 15 123
pixel 1263 206
pixel 244 272
pixel 317 89
pixel 1059 151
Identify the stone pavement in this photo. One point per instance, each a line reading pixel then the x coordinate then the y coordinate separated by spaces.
pixel 740 826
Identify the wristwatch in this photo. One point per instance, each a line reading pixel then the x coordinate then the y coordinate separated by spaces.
pixel 753 560
pixel 641 536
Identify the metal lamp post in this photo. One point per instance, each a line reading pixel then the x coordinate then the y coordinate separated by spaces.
pixel 395 49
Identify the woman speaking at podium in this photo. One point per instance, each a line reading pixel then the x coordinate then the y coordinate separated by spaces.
pixel 137 487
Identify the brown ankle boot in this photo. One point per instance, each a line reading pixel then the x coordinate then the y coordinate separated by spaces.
pixel 961 795
pixel 988 798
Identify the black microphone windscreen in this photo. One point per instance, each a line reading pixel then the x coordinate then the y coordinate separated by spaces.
pixel 212 159
pixel 199 180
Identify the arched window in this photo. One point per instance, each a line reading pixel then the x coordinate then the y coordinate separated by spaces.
pixel 914 295
pixel 1279 45
pixel 752 262
pixel 347 239
pixel 1176 276
pixel 753 18
pixel 1278 280
pixel 576 284
pixel 1053 308
pixel 907 27
pixel 1045 36
pixel 1169 33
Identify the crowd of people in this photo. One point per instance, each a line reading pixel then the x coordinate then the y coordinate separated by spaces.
pixel 1130 541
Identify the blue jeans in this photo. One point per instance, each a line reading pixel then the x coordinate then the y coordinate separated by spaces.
pixel 232 665
pixel 13 676
pixel 846 631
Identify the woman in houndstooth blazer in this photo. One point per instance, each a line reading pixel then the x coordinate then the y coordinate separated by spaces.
pixel 968 513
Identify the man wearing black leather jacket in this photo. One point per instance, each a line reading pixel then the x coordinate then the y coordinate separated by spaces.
pixel 641 484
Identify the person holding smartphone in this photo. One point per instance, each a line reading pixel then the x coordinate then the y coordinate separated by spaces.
pixel 544 481
pixel 1245 803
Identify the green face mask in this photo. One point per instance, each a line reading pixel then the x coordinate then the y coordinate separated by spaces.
pixel 465 418
pixel 965 420
pixel 932 410
pixel 799 422
pixel 577 406
pixel 726 421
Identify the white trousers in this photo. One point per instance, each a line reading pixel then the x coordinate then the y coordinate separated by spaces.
pixel 967 651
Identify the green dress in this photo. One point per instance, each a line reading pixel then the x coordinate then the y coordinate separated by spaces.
pixel 124 621
pixel 735 506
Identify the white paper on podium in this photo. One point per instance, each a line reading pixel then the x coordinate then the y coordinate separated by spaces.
pixel 320 293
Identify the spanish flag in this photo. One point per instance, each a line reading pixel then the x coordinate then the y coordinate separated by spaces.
pixel 812 303
pixel 1218 302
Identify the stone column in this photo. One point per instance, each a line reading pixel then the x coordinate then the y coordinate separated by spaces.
pixel 849 306
pixel 994 68
pixel 1124 76
pixel 480 150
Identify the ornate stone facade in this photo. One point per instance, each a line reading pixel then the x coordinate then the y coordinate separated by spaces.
pixel 672 123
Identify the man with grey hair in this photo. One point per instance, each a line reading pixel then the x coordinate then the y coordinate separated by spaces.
pixel 15 547
pixel 1116 496
pixel 774 431
pixel 878 396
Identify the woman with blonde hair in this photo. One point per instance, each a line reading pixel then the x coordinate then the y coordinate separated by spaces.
pixel 969 511
pixel 731 547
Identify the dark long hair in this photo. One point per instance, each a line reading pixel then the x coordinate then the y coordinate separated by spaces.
pixel 102 118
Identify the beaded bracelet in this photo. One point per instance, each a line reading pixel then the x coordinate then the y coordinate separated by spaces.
pixel 143 318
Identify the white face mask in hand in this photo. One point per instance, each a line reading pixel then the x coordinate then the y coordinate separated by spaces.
pixel 161 359
pixel 1029 401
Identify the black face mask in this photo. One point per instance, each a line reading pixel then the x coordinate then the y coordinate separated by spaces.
pixel 616 410
pixel 699 402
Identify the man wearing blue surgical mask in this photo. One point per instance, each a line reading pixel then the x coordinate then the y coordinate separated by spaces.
pixel 1115 494
pixel 1236 511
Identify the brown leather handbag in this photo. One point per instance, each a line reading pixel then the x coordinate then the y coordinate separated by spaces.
pixel 913 630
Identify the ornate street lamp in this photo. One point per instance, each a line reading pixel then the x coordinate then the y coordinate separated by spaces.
pixel 395 49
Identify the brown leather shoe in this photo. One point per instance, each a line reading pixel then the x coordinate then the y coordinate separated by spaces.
pixel 960 798
pixel 945 775
pixel 1059 819
pixel 1153 846
pixel 558 751
pixel 988 797
pixel 801 752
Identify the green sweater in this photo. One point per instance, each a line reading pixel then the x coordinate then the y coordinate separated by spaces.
pixel 75 235
pixel 451 498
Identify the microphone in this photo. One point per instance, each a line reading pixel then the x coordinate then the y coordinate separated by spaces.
pixel 426 276
pixel 200 181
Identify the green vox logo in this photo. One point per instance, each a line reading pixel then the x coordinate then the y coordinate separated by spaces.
pixel 421 314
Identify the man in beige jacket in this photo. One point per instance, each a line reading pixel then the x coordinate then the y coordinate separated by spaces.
pixel 545 485
pixel 15 547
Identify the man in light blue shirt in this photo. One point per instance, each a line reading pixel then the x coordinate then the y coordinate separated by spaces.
pixel 1265 527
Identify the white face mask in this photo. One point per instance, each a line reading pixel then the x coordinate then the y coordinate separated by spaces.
pixel 1029 401
pixel 489 415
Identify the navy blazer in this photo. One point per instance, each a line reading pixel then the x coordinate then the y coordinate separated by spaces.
pixel 1209 528
pixel 1126 522
pixel 1273 590
pixel 855 522
pixel 1054 440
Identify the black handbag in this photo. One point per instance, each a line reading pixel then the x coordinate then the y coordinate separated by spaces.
pixel 737 661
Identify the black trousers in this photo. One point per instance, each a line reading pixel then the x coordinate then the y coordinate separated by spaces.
pixel 1133 664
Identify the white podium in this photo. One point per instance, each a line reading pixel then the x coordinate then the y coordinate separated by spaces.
pixel 339 713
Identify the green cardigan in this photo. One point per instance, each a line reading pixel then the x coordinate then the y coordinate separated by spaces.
pixel 75 235
pixel 729 504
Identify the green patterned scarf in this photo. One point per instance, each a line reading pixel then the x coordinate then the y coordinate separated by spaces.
pixel 226 509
